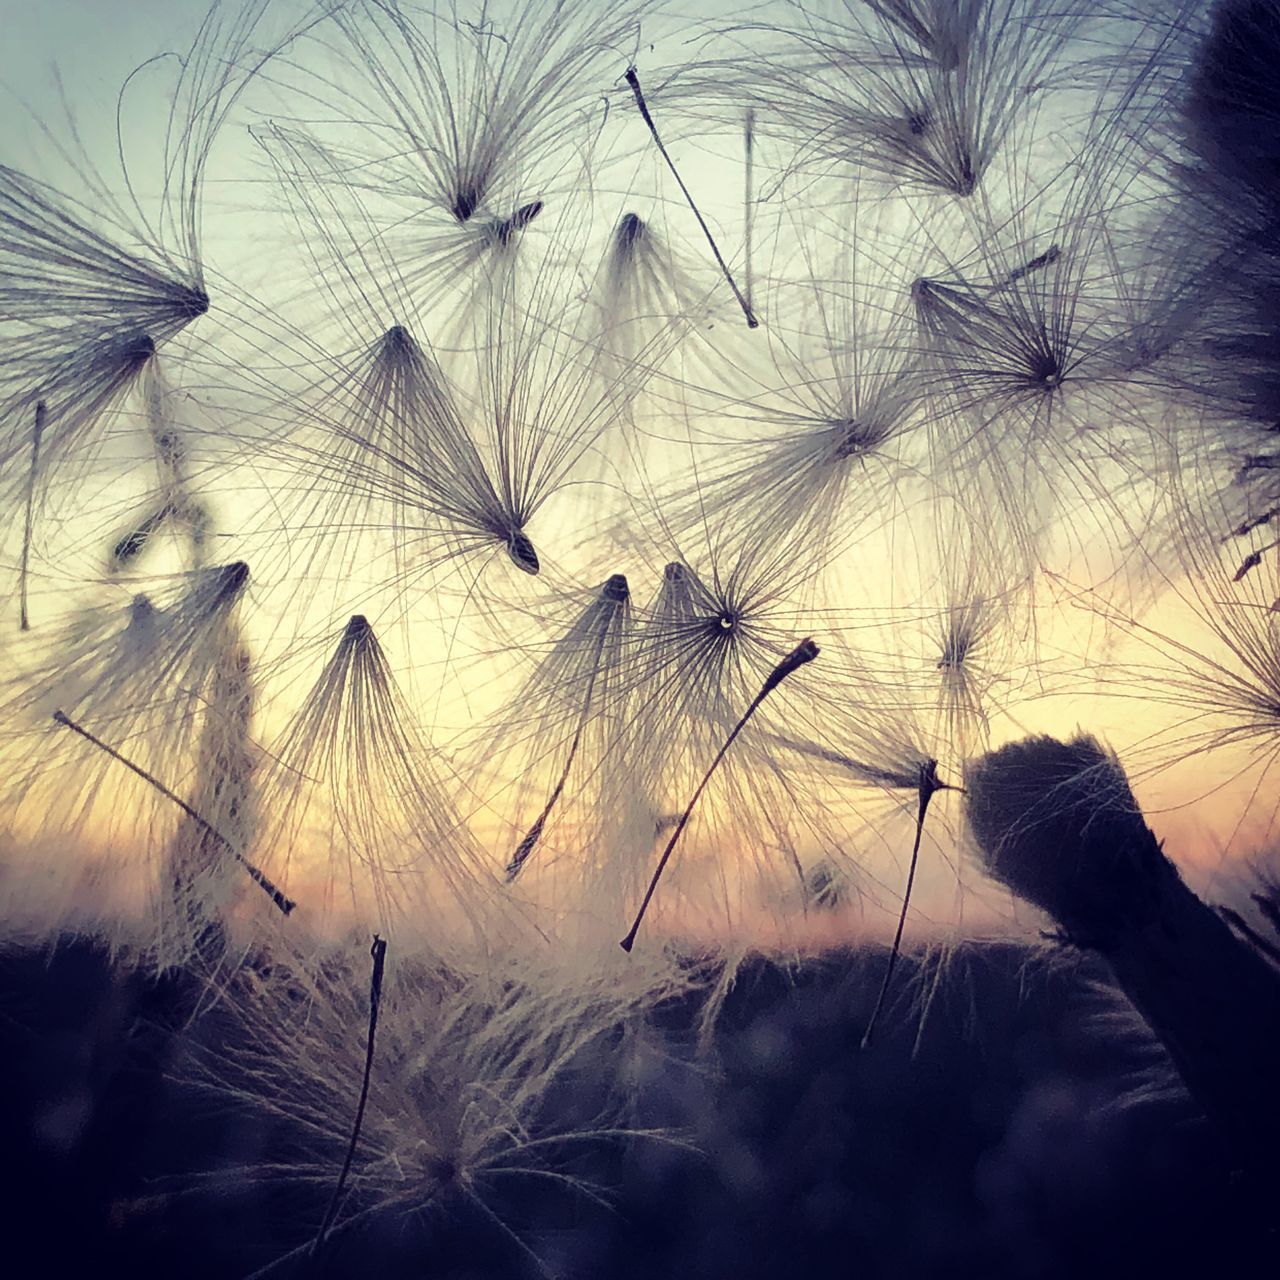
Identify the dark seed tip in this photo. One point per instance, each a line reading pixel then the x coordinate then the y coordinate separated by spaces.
pixel 138 349
pixel 522 554
pixel 232 579
pixel 358 627
pixel 195 303
pixel 630 228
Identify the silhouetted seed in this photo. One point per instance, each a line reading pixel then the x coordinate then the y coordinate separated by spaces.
pixel 37 434
pixel 857 437
pixel 925 293
pixel 193 304
pixel 284 904
pixel 748 200
pixel 1260 462
pixel 141 612
pixel 379 953
pixel 522 554
pixel 534 834
pixel 133 542
pixel 804 652
pixel 396 342
pixel 918 123
pixel 955 648
pixel 357 630
pixel 504 230
pixel 1038 263
pixel 628 234
pixel 1045 370
pixel 231 581
pixel 634 81
pixel 674 571
pixel 929 787
pixel 1251 561
pixel 616 588
pixel 465 203
pixel 614 591
pixel 136 350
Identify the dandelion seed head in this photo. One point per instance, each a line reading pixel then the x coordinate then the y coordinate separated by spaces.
pixel 1058 823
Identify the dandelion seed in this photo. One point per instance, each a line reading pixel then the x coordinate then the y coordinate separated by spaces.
pixel 806 651
pixel 1038 263
pixel 508 227
pixel 284 905
pixel 400 455
pixel 379 953
pixel 90 286
pixel 356 804
pixel 748 197
pixel 456 1105
pixel 922 96
pixel 702 653
pixel 53 264
pixel 928 787
pixel 458 114
pixel 967 629
pixel 634 81
pixel 650 300
pixel 816 443
pixel 162 684
pixel 598 628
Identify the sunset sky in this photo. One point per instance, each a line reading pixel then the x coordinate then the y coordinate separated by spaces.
pixel 463 634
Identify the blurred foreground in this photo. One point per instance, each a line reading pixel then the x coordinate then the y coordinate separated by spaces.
pixel 1014 1131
